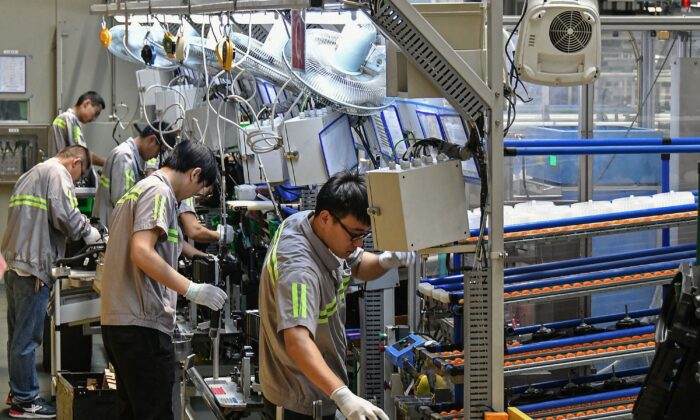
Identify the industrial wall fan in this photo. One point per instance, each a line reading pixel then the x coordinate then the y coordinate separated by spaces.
pixel 559 42
pixel 345 69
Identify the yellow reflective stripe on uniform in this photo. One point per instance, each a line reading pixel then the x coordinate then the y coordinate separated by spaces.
pixel 344 286
pixel 159 208
pixel 295 300
pixel 129 180
pixel 71 198
pixel 173 235
pixel 58 122
pixel 330 309
pixel 28 197
pixel 132 194
pixel 28 200
pixel 272 268
pixel 76 134
pixel 105 182
pixel 303 300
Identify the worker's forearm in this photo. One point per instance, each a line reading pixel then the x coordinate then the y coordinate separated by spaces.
pixel 311 363
pixel 148 261
pixel 369 268
pixel 97 159
pixel 190 251
pixel 204 235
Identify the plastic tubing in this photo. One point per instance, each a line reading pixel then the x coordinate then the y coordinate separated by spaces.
pixel 652 141
pixel 657 211
pixel 594 260
pixel 581 380
pixel 629 392
pixel 600 275
pixel 608 335
pixel 591 320
pixel 599 266
pixel 599 150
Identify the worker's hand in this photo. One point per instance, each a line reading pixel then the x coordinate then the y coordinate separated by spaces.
pixel 206 294
pixel 93 236
pixel 390 259
pixel 356 408
pixel 225 233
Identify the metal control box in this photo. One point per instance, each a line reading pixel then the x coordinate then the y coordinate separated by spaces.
pixel 419 207
pixel 318 145
pixel 273 161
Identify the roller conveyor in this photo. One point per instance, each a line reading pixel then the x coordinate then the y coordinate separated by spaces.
pixel 579 351
pixel 612 223
pixel 605 405
pixel 452 293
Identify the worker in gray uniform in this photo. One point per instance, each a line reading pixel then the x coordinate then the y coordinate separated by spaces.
pixel 67 127
pixel 303 284
pixel 140 282
pixel 198 232
pixel 125 166
pixel 43 213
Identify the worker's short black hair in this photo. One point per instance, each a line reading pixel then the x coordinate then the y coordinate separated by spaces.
pixel 93 96
pixel 188 155
pixel 155 128
pixel 344 194
pixel 77 151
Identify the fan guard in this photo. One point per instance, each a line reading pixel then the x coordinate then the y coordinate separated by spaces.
pixel 361 94
pixel 569 32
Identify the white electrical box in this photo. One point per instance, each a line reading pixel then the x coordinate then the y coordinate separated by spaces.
pixel 419 207
pixel 168 102
pixel 146 78
pixel 197 128
pixel 318 145
pixel 275 168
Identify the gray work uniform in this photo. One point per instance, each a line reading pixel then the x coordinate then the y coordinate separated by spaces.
pixel 302 284
pixel 129 296
pixel 123 168
pixel 66 130
pixel 43 212
pixel 186 206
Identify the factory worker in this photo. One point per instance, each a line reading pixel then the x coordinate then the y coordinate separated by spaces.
pixel 43 213
pixel 67 127
pixel 195 230
pixel 140 282
pixel 303 284
pixel 125 166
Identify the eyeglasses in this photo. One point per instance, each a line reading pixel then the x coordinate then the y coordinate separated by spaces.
pixel 353 236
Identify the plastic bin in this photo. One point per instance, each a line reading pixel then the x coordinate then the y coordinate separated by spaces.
pixel 75 402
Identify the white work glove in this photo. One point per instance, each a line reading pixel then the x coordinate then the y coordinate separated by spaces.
pixel 356 408
pixel 225 233
pixel 92 237
pixel 206 294
pixel 391 259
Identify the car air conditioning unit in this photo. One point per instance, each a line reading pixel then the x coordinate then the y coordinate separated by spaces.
pixel 559 42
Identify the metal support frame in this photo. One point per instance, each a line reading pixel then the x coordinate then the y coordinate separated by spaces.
pixel 646 118
pixel 376 311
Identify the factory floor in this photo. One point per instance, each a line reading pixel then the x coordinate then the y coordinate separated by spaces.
pixel 199 409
